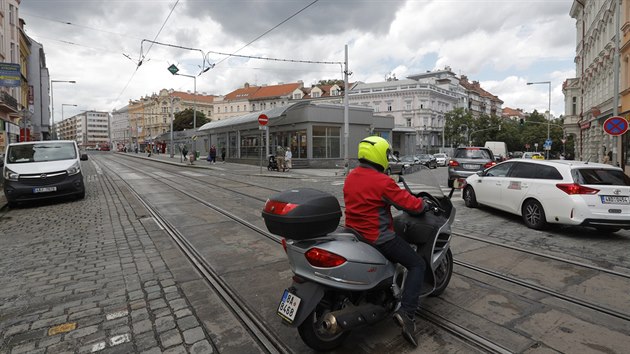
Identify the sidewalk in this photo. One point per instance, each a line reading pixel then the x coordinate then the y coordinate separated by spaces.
pixel 242 168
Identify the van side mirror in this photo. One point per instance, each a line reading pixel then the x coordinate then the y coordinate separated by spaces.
pixel 84 157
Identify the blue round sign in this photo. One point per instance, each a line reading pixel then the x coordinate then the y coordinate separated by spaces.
pixel 616 125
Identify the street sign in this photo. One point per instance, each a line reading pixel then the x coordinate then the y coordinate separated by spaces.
pixel 263 119
pixel 616 126
pixel 548 142
pixel 173 69
pixel 10 75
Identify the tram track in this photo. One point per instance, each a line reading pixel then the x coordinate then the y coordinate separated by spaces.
pixel 257 328
pixel 460 332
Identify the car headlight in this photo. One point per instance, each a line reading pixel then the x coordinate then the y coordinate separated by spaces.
pixel 10 175
pixel 74 169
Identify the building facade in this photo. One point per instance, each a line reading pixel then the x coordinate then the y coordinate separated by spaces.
pixel 88 129
pixel 589 96
pixel 10 96
pixel 120 128
pixel 418 105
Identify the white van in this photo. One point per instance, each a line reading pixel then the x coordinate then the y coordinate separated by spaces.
pixel 36 170
pixel 499 149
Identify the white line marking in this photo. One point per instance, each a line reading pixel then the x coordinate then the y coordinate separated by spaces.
pixel 114 315
pixel 98 346
pixel 116 340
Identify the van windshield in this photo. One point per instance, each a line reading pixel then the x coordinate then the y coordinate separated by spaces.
pixel 41 152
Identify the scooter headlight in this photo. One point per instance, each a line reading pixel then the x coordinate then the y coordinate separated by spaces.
pixel 74 169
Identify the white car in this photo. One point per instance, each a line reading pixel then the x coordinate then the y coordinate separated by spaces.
pixel 441 159
pixel 554 191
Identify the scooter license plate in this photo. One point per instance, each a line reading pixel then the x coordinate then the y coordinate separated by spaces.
pixel 288 307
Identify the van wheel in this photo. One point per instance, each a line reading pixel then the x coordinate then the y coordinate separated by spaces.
pixel 470 199
pixel 534 215
pixel 11 205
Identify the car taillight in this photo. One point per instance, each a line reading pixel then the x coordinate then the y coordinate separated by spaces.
pixel 453 163
pixel 574 188
pixel 284 245
pixel 318 257
pixel 278 208
pixel 489 164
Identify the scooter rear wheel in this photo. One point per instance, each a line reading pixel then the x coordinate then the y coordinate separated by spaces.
pixel 314 335
pixel 443 274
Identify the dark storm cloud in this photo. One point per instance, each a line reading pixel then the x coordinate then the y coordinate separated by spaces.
pixel 246 19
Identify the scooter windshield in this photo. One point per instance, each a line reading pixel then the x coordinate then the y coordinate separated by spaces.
pixel 421 181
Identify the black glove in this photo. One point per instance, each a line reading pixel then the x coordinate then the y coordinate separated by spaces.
pixel 429 205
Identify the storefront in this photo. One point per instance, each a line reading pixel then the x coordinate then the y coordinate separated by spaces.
pixel 313 131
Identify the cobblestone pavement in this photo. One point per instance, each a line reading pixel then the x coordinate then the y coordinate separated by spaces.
pixel 93 276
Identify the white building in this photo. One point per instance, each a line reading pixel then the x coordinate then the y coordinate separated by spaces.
pixel 120 128
pixel 418 105
pixel 88 129
pixel 589 95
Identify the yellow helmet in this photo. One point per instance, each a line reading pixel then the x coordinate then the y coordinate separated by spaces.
pixel 375 150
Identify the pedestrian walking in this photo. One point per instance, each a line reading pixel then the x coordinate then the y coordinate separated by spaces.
pixel 223 154
pixel 212 155
pixel 288 155
pixel 185 153
pixel 280 157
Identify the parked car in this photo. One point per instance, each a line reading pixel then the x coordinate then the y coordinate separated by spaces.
pixel 42 169
pixel 396 166
pixel 427 160
pixel 467 161
pixel 441 159
pixel 409 160
pixel 558 191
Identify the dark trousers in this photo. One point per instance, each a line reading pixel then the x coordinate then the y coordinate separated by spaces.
pixel 399 251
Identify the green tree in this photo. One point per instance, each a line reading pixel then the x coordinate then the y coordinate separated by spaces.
pixel 331 82
pixel 184 120
pixel 455 126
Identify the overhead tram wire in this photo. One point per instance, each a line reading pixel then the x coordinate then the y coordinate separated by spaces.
pixel 144 55
pixel 266 32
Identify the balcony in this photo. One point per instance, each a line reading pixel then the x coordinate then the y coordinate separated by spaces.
pixel 8 104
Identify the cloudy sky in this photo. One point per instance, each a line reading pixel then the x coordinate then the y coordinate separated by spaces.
pixel 503 44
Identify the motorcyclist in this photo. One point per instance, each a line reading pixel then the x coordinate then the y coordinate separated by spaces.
pixel 369 194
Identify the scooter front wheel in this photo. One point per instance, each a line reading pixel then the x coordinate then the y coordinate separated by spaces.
pixel 443 274
pixel 314 334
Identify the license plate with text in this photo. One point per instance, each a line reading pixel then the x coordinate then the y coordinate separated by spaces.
pixel 288 307
pixel 615 199
pixel 44 189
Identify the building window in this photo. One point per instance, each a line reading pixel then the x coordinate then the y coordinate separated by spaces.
pixel 389 107
pixel 297 96
pixel 408 105
pixel 326 142
pixel 408 122
pixel 315 94
pixel 334 92
pixel 574 106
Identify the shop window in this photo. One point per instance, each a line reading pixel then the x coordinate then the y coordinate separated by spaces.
pixel 326 142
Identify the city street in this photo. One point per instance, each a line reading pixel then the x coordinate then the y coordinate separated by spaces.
pixel 162 256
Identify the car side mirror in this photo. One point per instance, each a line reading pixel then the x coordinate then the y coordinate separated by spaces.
pixel 481 173
pixel 84 157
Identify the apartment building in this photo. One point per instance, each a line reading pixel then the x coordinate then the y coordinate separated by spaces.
pixel 120 128
pixel 10 92
pixel 88 129
pixel 418 105
pixel 150 116
pixel 251 98
pixel 480 101
pixel 589 96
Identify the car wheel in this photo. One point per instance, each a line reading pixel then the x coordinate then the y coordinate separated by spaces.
pixel 534 215
pixel 608 230
pixel 470 199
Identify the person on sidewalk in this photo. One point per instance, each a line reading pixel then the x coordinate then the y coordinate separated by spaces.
pixel 223 154
pixel 369 194
pixel 280 157
pixel 212 157
pixel 185 153
pixel 288 155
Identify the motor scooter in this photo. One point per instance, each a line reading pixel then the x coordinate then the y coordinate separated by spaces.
pixel 340 282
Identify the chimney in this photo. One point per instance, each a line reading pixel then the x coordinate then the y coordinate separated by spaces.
pixel 246 85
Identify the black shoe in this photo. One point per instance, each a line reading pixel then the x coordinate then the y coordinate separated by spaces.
pixel 408 325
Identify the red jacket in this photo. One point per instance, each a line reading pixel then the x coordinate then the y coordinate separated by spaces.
pixel 368 195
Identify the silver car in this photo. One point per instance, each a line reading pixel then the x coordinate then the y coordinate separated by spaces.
pixel 441 159
pixel 467 161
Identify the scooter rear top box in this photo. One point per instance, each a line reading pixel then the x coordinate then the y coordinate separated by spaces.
pixel 302 213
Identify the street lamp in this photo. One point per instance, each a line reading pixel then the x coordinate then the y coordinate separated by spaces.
pixel 52 101
pixel 174 70
pixel 549 118
pixel 63 105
